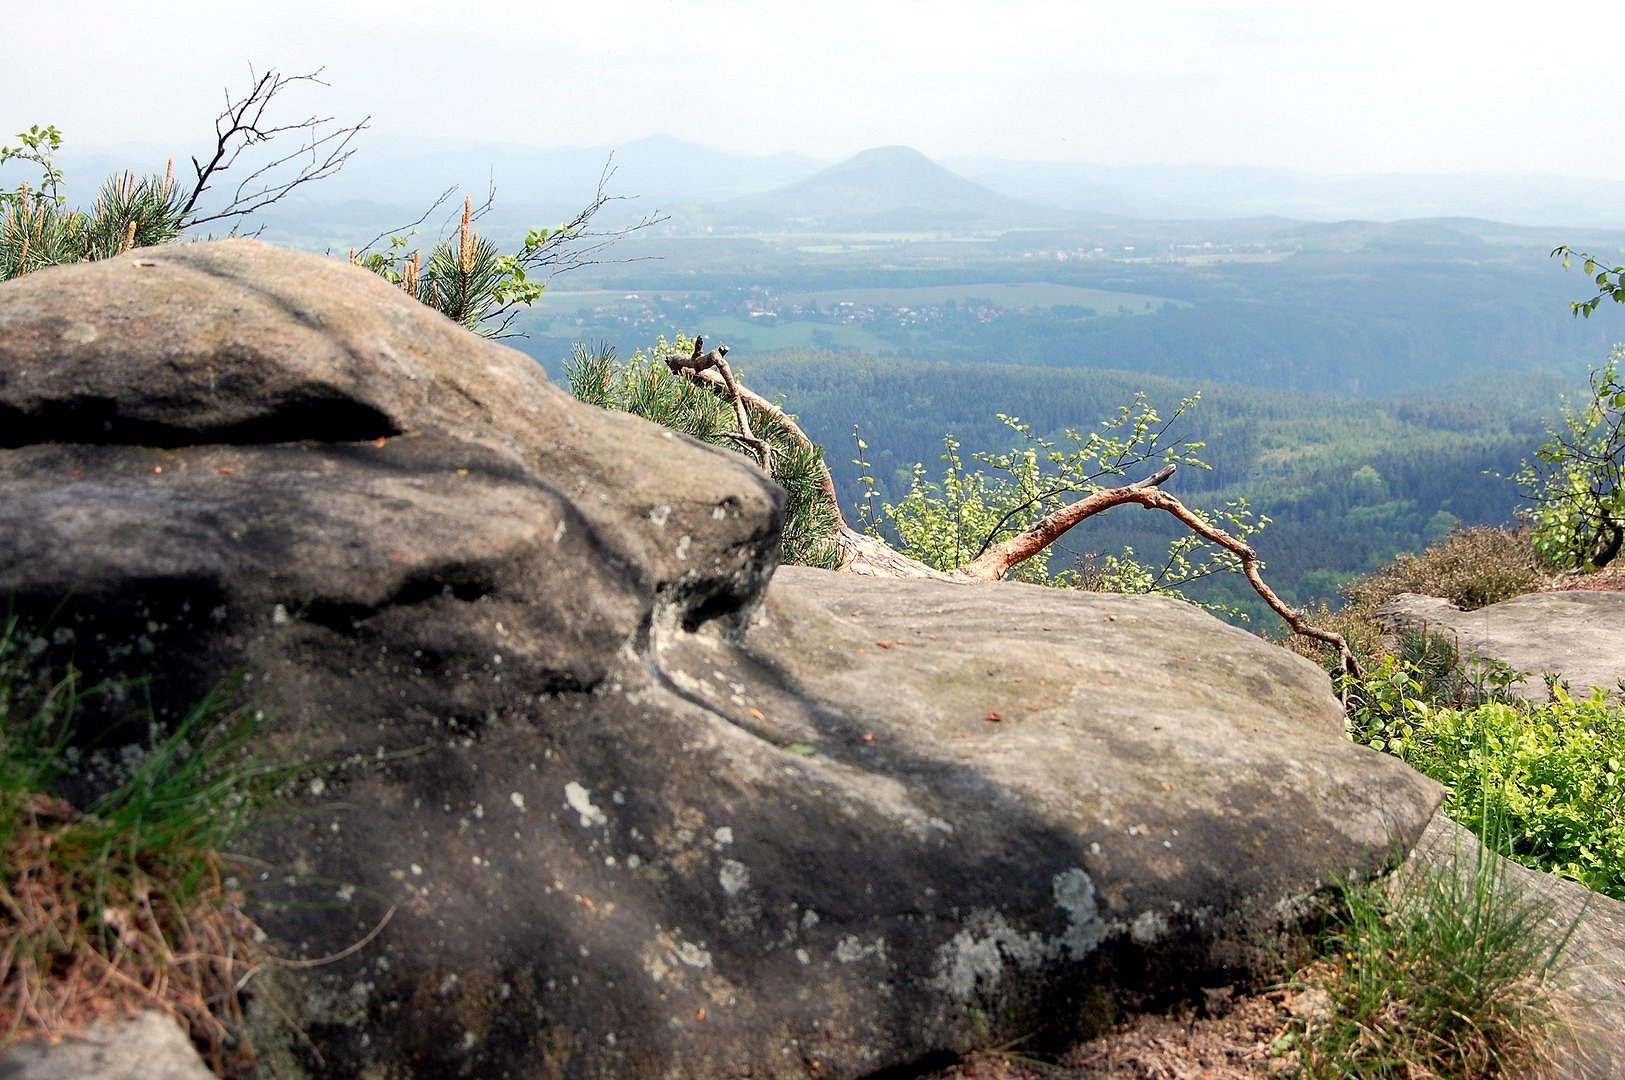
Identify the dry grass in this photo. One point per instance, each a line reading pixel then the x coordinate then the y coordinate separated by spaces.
pixel 82 940
pixel 1472 568
pixel 124 901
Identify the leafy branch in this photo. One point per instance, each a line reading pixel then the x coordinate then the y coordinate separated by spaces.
pixel 1609 280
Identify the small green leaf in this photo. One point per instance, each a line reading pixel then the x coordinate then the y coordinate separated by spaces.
pixel 804 749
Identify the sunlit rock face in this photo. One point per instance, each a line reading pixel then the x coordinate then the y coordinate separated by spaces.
pixel 631 803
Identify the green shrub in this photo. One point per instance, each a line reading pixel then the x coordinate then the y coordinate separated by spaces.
pixel 1550 774
pixel 1393 699
pixel 1575 485
pixel 1555 775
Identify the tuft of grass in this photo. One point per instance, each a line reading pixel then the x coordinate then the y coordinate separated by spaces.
pixel 128 901
pixel 1443 970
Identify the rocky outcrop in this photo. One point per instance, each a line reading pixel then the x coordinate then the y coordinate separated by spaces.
pixel 635 810
pixel 1578 635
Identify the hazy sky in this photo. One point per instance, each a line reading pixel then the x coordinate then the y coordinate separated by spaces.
pixel 1361 86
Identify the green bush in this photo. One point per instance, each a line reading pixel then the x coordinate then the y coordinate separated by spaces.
pixel 1554 775
pixel 1576 483
pixel 1391 702
pixel 1550 775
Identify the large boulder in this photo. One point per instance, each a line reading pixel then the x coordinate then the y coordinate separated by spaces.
pixel 635 810
pixel 1577 635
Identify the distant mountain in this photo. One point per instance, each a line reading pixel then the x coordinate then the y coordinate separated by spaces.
pixel 1205 192
pixel 891 188
pixel 888 189
pixel 658 171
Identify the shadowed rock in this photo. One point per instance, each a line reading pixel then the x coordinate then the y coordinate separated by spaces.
pixel 637 812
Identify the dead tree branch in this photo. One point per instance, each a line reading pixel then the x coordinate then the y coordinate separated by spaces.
pixel 575 244
pixel 999 559
pixel 243 124
pixel 717 360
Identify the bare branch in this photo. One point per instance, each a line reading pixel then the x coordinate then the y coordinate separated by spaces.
pixel 1001 558
pixel 574 244
pixel 873 557
pixel 716 360
pixel 398 230
pixel 242 125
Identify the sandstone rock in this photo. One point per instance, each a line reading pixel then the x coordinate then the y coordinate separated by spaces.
pixel 635 812
pixel 148 1046
pixel 1577 635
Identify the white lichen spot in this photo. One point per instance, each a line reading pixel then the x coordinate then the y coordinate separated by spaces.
pixel 940 825
pixel 801 955
pixel 719 512
pixel 1094 849
pixel 479 809
pixel 809 919
pixel 734 876
pixel 1074 894
pixel 978 953
pixel 724 835
pixel 633 861
pixel 692 955
pixel 279 616
pixel 580 800
pixel 317 786
pixel 974 960
pixel 417 871
pixel 1148 928
pixel 849 949
pixel 659 515
pixel 518 801
pixel 683 544
pixel 469 1039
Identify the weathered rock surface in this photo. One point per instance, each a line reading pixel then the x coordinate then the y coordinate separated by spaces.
pixel 636 812
pixel 148 1046
pixel 1578 635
